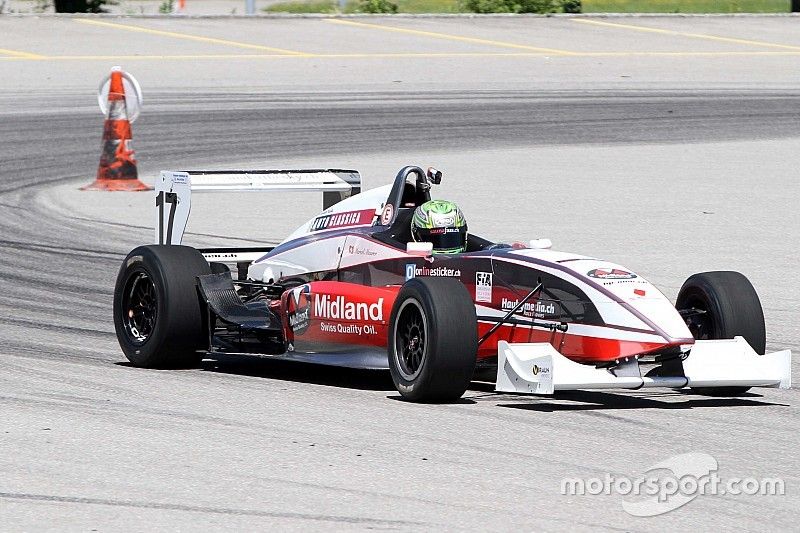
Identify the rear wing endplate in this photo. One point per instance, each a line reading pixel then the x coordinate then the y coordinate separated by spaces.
pixel 174 191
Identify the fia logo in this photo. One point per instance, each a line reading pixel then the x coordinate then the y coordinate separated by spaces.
pixel 410 271
pixel 483 287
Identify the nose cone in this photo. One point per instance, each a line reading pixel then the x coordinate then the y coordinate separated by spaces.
pixel 639 297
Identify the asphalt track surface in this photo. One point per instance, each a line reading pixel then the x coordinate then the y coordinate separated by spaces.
pixel 667 175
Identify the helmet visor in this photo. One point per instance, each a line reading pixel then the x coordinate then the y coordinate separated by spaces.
pixel 444 239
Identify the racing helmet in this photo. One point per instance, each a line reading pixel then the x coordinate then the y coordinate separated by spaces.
pixel 442 223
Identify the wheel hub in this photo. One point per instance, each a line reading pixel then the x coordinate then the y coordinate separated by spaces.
pixel 410 340
pixel 699 322
pixel 141 303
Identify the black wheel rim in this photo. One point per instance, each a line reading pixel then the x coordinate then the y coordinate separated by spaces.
pixel 410 339
pixel 699 320
pixel 139 308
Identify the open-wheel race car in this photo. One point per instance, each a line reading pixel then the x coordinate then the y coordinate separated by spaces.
pixel 356 287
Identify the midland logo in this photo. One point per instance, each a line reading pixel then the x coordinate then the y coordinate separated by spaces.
pixel 610 273
pixel 412 271
pixel 338 308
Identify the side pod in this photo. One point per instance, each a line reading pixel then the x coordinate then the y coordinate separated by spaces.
pixel 538 368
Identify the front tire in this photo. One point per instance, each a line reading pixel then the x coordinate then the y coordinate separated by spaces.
pixel 158 314
pixel 729 307
pixel 433 340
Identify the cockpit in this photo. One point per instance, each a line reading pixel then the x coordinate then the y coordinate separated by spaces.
pixel 412 188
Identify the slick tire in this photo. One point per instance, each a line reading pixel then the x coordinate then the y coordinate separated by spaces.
pixel 159 317
pixel 433 340
pixel 731 308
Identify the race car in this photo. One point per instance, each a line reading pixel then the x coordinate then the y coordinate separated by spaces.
pixel 356 287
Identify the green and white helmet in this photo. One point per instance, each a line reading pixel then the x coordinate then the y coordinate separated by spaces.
pixel 441 223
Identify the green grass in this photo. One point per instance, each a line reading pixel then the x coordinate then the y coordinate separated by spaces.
pixel 310 6
pixel 686 6
pixel 404 6
pixel 429 6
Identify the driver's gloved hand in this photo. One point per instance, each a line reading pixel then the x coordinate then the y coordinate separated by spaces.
pixel 498 246
pixel 503 245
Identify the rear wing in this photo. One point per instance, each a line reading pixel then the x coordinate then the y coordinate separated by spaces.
pixel 174 191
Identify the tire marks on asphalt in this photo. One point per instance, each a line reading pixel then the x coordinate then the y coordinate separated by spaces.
pixel 140 504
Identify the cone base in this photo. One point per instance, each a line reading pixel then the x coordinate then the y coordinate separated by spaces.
pixel 117 185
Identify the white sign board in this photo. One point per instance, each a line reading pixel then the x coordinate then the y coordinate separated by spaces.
pixel 133 94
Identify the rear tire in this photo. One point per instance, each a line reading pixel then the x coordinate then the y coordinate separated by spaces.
pixel 158 315
pixel 433 340
pixel 732 308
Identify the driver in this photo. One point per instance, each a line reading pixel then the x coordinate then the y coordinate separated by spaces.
pixel 442 223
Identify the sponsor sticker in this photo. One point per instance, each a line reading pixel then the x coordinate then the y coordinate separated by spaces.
pixel 388 213
pixel 355 250
pixel 537 309
pixel 413 271
pixel 536 370
pixel 610 273
pixel 483 287
pixel 342 220
pixel 348 329
pixel 299 309
pixel 340 308
pixel 637 281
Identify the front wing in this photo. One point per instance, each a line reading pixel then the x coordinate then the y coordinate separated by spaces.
pixel 538 368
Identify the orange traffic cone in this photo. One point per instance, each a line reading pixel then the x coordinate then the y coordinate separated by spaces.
pixel 117 170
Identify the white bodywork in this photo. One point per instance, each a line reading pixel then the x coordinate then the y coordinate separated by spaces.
pixel 539 369
pixel 373 199
pixel 636 291
pixel 324 254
